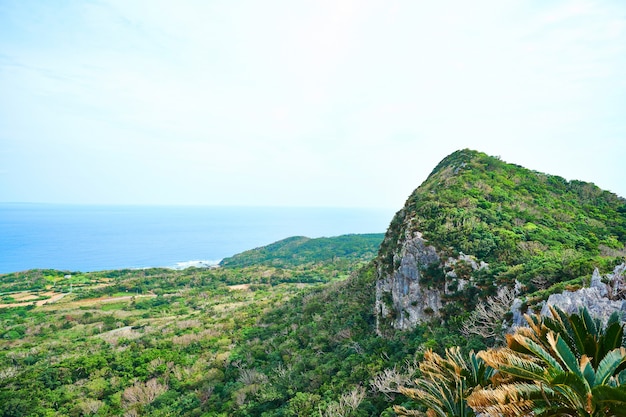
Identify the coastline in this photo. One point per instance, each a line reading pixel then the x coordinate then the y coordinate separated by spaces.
pixel 193 264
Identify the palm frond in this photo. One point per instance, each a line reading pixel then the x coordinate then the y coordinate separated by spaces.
pixel 611 401
pixel 562 324
pixel 613 336
pixel 514 363
pixel 480 373
pixel 430 397
pixel 593 326
pixel 564 353
pixel 539 351
pixel 401 411
pixel 573 389
pixel 586 368
pixel 609 365
pixel 564 365
pixel 511 400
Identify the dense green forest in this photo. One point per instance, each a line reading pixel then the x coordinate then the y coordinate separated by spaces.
pixel 289 329
pixel 300 250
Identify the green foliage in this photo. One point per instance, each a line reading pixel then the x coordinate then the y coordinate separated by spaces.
pixel 564 365
pixel 289 329
pixel 528 226
pixel 205 336
pixel 446 382
pixel 299 250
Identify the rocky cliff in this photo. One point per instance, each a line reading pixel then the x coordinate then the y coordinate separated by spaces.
pixel 478 223
pixel 604 296
pixel 401 296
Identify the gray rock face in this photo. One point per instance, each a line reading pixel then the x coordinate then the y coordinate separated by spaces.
pixel 518 317
pixel 601 299
pixel 403 299
pixel 596 282
pixel 400 298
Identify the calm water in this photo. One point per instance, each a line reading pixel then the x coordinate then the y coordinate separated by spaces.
pixel 92 238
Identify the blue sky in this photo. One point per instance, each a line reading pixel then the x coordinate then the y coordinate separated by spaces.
pixel 301 103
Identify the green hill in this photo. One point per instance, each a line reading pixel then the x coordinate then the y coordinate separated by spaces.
pixel 322 345
pixel 164 342
pixel 536 229
pixel 300 250
pixel 508 215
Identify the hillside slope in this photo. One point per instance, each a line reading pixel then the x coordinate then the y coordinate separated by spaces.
pixel 300 250
pixel 477 223
pixel 163 342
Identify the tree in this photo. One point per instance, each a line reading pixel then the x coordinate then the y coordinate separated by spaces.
pixel 489 317
pixel 347 404
pixel 445 384
pixel 559 366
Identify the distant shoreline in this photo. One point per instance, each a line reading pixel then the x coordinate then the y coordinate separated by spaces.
pixel 179 266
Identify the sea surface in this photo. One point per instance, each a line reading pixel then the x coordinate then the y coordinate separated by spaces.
pixel 94 238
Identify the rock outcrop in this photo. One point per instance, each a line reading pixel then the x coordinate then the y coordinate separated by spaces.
pixel 412 292
pixel 602 298
pixel 401 299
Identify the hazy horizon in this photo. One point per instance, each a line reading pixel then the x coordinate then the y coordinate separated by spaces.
pixel 216 205
pixel 301 104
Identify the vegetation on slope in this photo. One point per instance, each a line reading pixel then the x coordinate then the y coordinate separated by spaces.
pixel 156 353
pixel 300 250
pixel 528 226
pixel 158 342
pixel 192 344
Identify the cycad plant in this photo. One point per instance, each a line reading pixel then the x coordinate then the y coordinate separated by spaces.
pixel 566 365
pixel 445 383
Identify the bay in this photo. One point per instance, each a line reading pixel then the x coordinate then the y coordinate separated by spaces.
pixel 93 238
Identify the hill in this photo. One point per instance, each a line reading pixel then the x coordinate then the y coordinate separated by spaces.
pixel 300 250
pixel 478 223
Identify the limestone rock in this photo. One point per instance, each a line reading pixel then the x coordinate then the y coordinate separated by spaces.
pixel 403 298
pixel 600 299
pixel 399 296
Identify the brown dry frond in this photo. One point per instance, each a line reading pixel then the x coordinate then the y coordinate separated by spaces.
pixel 414 393
pixel 503 356
pixel 536 327
pixel 514 363
pixel 401 411
pixel 522 336
pixel 451 367
pixel 505 400
pixel 456 360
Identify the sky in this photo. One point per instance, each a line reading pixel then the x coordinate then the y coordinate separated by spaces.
pixel 335 103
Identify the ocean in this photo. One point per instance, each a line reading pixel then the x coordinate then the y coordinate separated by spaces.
pixel 95 238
